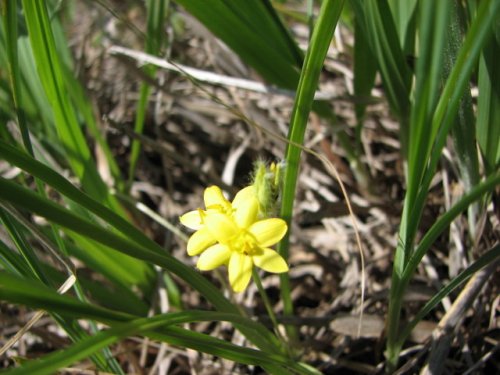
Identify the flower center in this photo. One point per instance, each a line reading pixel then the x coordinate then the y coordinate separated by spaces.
pixel 220 208
pixel 244 242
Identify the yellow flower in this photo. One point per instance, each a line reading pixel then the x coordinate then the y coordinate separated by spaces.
pixel 215 202
pixel 232 235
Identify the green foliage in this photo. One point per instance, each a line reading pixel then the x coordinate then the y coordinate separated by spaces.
pixel 21 291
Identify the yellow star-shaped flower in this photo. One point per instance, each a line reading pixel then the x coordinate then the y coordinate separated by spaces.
pixel 215 202
pixel 232 234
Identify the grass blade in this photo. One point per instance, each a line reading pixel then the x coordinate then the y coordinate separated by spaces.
pixel 488 105
pixel 34 295
pixel 446 219
pixel 259 41
pixel 463 131
pixel 376 20
pixel 121 269
pixel 364 77
pixel 58 182
pixel 104 360
pixel 32 263
pixel 404 18
pixel 316 53
pixel 9 10
pixel 156 10
pixel 52 78
pixel 485 259
pixel 85 108
pixel 12 262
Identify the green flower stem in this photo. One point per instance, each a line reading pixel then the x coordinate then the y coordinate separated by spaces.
pixel 269 308
pixel 316 53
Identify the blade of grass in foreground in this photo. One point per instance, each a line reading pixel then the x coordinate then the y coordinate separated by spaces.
pixel 446 109
pixel 430 237
pixel 85 107
pixel 33 103
pixel 80 100
pixel 404 18
pixel 92 254
pixel 315 56
pixel 61 184
pixel 124 271
pixel 52 77
pixel 481 29
pixel 428 77
pixel 31 263
pixel 12 262
pixel 52 74
pixel 446 219
pixel 34 295
pixel 103 360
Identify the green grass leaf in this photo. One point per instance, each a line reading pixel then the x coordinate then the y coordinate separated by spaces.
pixel 156 12
pixel 488 103
pixel 404 14
pixel 376 19
pixel 37 296
pixel 49 67
pixel 365 69
pixel 261 40
pixel 484 260
pixel 316 53
pixel 124 270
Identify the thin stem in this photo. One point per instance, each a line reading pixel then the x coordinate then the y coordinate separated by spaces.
pixel 269 309
pixel 313 63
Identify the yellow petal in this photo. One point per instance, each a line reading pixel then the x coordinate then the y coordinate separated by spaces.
pixel 192 220
pixel 270 261
pixel 269 231
pixel 214 198
pixel 221 226
pixel 243 195
pixel 240 271
pixel 213 257
pixel 199 241
pixel 246 212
